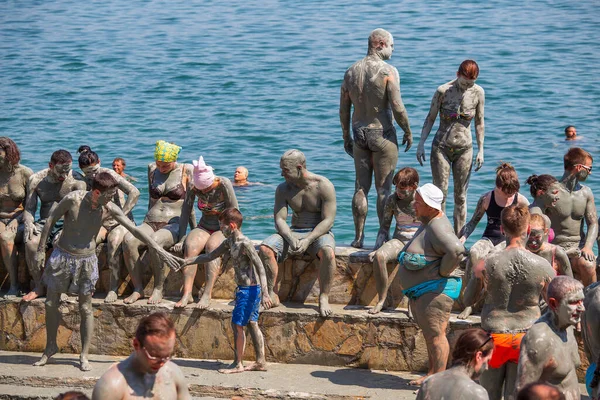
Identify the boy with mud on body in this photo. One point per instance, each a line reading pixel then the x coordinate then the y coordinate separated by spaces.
pixel 252 284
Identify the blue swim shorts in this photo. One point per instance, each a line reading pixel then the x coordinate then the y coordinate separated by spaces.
pixel 276 243
pixel 247 304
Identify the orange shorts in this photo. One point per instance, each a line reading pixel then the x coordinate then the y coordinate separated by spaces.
pixel 507 347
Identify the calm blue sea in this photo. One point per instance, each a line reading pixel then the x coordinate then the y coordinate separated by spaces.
pixel 241 82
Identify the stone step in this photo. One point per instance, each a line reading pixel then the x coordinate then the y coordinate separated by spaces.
pixel 21 380
pixel 294 333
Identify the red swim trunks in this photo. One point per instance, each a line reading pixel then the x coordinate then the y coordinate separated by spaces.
pixel 507 347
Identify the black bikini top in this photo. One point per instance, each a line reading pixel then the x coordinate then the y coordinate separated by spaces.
pixel 176 193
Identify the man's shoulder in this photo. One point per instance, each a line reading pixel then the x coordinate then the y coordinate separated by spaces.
pixel 112 381
pixel 39 176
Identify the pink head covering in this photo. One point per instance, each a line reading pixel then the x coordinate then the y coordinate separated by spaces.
pixel 203 174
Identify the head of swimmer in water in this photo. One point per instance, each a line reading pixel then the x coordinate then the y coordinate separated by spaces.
pixel 119 165
pixel 9 153
pixel 544 188
pixel 381 42
pixel 230 221
pixel 570 133
pixel 89 162
pixel 565 301
pixel 60 165
pixel 467 74
pixel 578 162
pixel 293 165
pixel 473 350
pixel 539 229
pixel 104 188
pixel 240 175
pixel 406 181
pixel 154 343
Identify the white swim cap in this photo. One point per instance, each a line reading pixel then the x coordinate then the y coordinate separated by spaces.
pixel 432 195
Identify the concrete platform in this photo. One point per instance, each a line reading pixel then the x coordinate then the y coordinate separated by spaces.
pixel 21 380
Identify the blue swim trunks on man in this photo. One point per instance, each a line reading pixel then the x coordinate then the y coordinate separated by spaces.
pixel 247 303
pixel 449 286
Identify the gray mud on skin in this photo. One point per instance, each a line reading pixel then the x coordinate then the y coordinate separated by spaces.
pixel 162 224
pixel 372 87
pixel 549 350
pixel 312 200
pixel 457 102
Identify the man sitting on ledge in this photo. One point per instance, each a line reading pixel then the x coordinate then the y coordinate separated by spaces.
pixel 426 263
pixel 312 199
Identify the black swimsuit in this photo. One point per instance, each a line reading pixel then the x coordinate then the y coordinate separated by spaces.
pixel 492 229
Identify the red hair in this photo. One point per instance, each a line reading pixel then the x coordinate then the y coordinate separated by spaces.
pixel 469 69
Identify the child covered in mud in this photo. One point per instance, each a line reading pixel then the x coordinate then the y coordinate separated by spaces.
pixel 252 284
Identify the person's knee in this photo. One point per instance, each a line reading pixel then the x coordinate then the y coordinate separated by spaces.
pixel 85 308
pixel 326 254
pixel 130 241
pixel 266 252
pixel 460 199
pixel 8 236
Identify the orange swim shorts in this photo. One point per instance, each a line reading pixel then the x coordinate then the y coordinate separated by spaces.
pixel 507 347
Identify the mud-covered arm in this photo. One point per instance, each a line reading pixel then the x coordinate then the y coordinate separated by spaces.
pixel 328 209
pixel 31 199
pixel 230 198
pixel 151 168
pixel 532 358
pixel 591 218
pixel 480 209
pixel 133 193
pixel 259 270
pixel 446 243
pixel 477 282
pixel 183 391
pixel 187 209
pixel 207 257
pixel 56 213
pixel 386 222
pixel 564 265
pixel 434 109
pixel 280 212
pixel 392 85
pixel 479 128
pixel 345 113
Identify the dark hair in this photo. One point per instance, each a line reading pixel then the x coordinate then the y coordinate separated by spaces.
pixel 576 155
pixel 540 182
pixel 13 155
pixel 507 179
pixel 122 161
pixel 72 395
pixel 232 215
pixel 103 181
pixel 561 285
pixel 61 157
pixel 515 219
pixel 469 343
pixel 156 324
pixel 568 127
pixel 407 176
pixel 529 392
pixel 87 157
pixel 469 69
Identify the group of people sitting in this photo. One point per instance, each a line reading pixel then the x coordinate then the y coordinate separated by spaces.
pixel 510 270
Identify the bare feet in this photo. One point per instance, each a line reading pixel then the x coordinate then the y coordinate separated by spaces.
pixel 465 313
pixel 34 294
pixel 135 296
pixel 185 299
pixel 256 367
pixel 418 382
pixel 156 296
pixel 12 293
pixel 324 308
pixel 377 308
pixel 111 297
pixel 85 364
pixel 235 369
pixel 203 304
pixel 358 242
pixel 49 352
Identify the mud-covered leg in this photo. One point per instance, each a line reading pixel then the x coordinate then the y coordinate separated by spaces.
pixel 384 163
pixel 440 171
pixel 259 348
pixel 131 253
pixel 34 269
pixel 165 238
pixel 492 380
pixel 511 379
pixel 8 240
pixel 363 165
pixel 52 318
pixel 239 344
pixel 211 270
pixel 86 329
pixel 326 270
pixel 113 245
pixel 267 255
pixel 192 247
pixel 461 173
pixel 386 253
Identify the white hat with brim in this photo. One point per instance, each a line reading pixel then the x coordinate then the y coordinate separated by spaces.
pixel 432 195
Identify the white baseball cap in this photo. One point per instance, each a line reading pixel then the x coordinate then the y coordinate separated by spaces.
pixel 432 195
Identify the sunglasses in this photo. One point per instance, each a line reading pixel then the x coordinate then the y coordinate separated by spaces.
pixel 589 169
pixel 486 342
pixel 157 359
